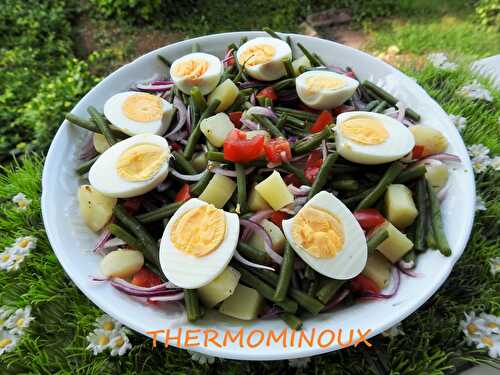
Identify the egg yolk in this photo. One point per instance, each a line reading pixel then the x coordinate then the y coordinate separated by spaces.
pixel 143 107
pixel 199 231
pixel 191 69
pixel 257 54
pixel 364 130
pixel 141 162
pixel 320 233
pixel 317 83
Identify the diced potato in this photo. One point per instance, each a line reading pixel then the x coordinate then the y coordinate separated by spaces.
pixel 245 303
pixel 254 133
pixel 95 208
pixel 432 139
pixel 100 143
pixel 400 208
pixel 277 238
pixel 226 92
pixel 122 263
pixel 297 63
pixel 274 191
pixel 199 161
pixel 396 245
pixel 218 191
pixel 219 289
pixel 256 202
pixel 378 269
pixel 437 175
pixel 216 128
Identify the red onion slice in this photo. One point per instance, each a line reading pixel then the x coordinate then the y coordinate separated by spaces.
pixel 171 298
pixel 250 124
pixel 154 88
pixel 299 191
pixel 271 312
pixel 252 84
pixel 442 156
pixel 187 177
pixel 337 299
pixel 165 286
pixel 88 149
pixel 401 111
pixel 253 99
pixel 242 260
pixel 181 116
pixel 103 238
pixel 396 280
pixel 324 149
pixel 257 218
pixel 268 244
pixel 162 82
pixel 264 111
pixel 227 172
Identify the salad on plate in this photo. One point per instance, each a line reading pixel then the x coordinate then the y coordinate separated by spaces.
pixel 265 183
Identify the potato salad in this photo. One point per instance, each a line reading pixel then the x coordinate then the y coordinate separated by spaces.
pixel 267 182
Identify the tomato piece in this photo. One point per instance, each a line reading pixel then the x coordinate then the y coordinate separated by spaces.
pixel 291 179
pixel 239 149
pixel 132 205
pixel 278 150
pixel 325 118
pixel 268 92
pixel 183 194
pixel 361 283
pixel 277 217
pixel 417 152
pixel 146 278
pixel 369 218
pixel 313 164
pixel 175 146
pixel 235 118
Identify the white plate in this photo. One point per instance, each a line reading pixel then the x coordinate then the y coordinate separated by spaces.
pixel 72 241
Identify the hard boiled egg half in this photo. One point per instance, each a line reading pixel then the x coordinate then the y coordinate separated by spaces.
pixel 325 234
pixel 198 243
pixel 371 138
pixel 131 167
pixel 138 113
pixel 322 89
pixel 262 58
pixel 196 69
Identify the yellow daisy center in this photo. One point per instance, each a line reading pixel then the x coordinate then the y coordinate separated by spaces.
pixel 471 328
pixel 487 341
pixel 24 243
pixel 5 342
pixel 103 340
pixel 119 342
pixel 20 322
pixel 108 326
pixel 5 257
pixel 492 325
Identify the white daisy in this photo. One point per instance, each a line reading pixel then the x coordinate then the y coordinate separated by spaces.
pixel 393 331
pixel 120 343
pixel 4 316
pixel 99 340
pixel 440 60
pixel 7 259
pixel 480 163
pixel 490 324
pixel 478 150
pixel 459 121
pixel 299 362
pixel 475 90
pixel 494 265
pixel 8 341
pixel 480 206
pixel 490 342
pixel 202 359
pixel 470 326
pixel 495 163
pixel 20 320
pixel 21 201
pixel 107 323
pixel 24 245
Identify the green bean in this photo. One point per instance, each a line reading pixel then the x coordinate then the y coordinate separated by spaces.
pixel 289 41
pixel 297 113
pixel 281 121
pixel 211 147
pixel 297 172
pixel 322 176
pixel 253 254
pixel 192 305
pixel 437 223
pixel 285 273
pixel 232 46
pixel 318 57
pixel 99 121
pixel 164 61
pixel 370 106
pixel 86 124
pixel 85 166
pixel 196 133
pixel 241 74
pixel 293 321
pixel 380 92
pixel 288 67
pixel 313 287
pixel 390 175
pixel 182 163
pixel 380 107
pixel 271 32
pixel 430 239
pixel 201 184
pixel 421 224
pixel 150 248
pixel 159 213
pixel 216 156
pixel 347 184
pixel 263 288
pixel 303 299
pixel 313 60
pixel 261 100
pixel 329 289
pixel 411 174
pixel 243 40
pixel 198 99
pixel 357 198
pixel 241 181
pixel 377 237
pixel 122 233
pixel 304 147
pixel 195 47
pixel 410 256
pixel 296 121
pixel 283 84
pixel 268 124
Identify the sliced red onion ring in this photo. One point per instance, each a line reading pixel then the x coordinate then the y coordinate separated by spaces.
pixel 336 69
pixel 324 149
pixel 187 177
pixel 167 285
pixel 227 172
pixel 442 156
pixel 257 218
pixel 242 260
pixel 103 238
pixel 153 88
pixel 299 191
pixel 88 149
pixel 252 84
pixel 441 194
pixel 396 280
pixel 169 298
pixel 260 231
pixel 253 99
pixel 250 124
pixel 407 268
pixel 114 242
pixel 271 312
pixel 228 56
pixel 181 116
pixel 264 111
pixel 337 299
pixel 401 111
pixel 162 82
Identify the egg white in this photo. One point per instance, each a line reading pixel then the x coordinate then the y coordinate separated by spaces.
pixel 273 69
pixel 104 177
pixel 351 259
pixel 191 272
pixel 399 143
pixel 114 113
pixel 205 83
pixel 325 98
